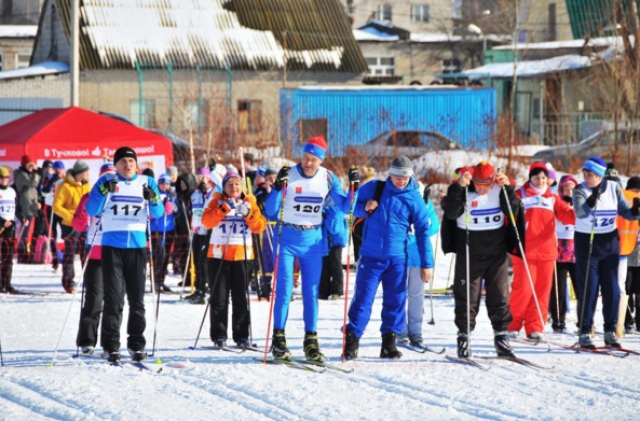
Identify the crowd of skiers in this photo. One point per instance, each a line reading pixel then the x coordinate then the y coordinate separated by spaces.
pixel 222 228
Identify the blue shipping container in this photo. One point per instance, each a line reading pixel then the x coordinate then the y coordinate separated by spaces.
pixel 355 115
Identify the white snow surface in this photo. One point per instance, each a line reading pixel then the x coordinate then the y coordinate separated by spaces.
pixel 234 386
pixel 40 69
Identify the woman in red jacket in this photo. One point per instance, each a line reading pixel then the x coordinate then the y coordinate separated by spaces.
pixel 542 207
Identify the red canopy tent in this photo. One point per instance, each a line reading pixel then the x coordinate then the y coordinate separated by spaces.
pixel 70 134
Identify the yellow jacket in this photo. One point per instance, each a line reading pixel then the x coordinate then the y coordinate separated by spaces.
pixel 215 213
pixel 627 230
pixel 67 198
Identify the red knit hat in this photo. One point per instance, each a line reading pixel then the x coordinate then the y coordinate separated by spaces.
pixel 25 160
pixel 536 167
pixel 483 173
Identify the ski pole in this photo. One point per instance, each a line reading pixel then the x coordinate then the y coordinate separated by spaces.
pixel 433 278
pixel 588 268
pixel 153 286
pixel 245 185
pixel 449 276
pixel 274 280
pixel 84 267
pixel 1 358
pixel 555 284
pixel 346 281
pixel 512 218
pixel 190 250
pixel 212 287
pixel 468 270
pixel 162 268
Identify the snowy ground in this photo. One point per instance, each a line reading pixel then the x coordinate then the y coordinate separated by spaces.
pixel 222 385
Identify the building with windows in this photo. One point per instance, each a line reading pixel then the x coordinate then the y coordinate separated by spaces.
pixel 16 44
pixel 211 71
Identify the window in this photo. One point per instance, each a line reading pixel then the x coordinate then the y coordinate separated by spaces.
pixel 384 12
pixel 249 116
pixel 381 66
pixel 22 60
pixel 194 116
pixel 420 13
pixel 313 127
pixel 145 117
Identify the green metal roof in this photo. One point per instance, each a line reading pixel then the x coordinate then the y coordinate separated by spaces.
pixel 594 17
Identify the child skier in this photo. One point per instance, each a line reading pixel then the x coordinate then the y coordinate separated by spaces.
pixel 163 232
pixel 7 230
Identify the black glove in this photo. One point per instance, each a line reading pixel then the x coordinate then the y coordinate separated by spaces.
pixel 635 208
pixel 149 194
pixel 593 199
pixel 283 175
pixel 108 185
pixel 354 175
pixel 202 187
pixel 426 194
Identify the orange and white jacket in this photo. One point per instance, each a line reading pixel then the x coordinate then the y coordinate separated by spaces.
pixel 231 232
pixel 627 230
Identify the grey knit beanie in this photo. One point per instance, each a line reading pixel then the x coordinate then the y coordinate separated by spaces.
pixel 401 167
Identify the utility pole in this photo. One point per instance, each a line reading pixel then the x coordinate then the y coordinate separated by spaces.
pixel 75 55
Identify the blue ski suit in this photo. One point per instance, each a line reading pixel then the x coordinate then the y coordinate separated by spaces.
pixel 383 255
pixel 309 246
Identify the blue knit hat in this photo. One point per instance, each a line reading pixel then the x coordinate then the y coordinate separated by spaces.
pixel 316 146
pixel 58 165
pixel 164 179
pixel 596 165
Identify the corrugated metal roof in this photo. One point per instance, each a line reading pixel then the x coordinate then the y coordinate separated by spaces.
pixel 239 34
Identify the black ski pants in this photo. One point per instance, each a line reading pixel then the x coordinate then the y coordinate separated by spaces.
pixel 7 249
pixel 73 243
pixel 633 291
pixel 200 247
pixel 160 256
pixel 493 269
pixel 558 300
pixel 123 271
pixel 92 306
pixel 331 281
pixel 231 281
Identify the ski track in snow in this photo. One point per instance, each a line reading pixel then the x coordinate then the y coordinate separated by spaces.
pixel 235 386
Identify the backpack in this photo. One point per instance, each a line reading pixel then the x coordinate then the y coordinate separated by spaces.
pixel 358 224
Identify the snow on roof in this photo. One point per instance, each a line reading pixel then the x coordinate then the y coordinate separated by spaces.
pixel 40 69
pixel 435 37
pixel 530 68
pixel 18 31
pixel 361 35
pixel 185 33
pixel 574 43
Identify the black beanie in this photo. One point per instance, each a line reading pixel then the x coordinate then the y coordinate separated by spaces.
pixel 124 152
pixel 633 183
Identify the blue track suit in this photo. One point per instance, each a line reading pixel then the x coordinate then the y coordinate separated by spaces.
pixel 605 257
pixel 383 255
pixel 309 247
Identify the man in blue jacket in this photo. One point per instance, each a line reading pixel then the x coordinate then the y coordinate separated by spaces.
pixel 124 202
pixel 383 255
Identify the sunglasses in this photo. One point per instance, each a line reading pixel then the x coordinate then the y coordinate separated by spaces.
pixel 5 176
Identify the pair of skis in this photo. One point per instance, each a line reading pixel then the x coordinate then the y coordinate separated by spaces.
pixel 307 365
pixel 474 363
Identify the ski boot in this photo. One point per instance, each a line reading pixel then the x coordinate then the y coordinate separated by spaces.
pixel 502 345
pixel 611 340
pixel 137 356
pixel 585 341
pixel 463 345
pixel 87 350
pixel 243 343
pixel 389 349
pixel 279 348
pixel 416 340
pixel 220 343
pixel 311 348
pixel 113 357
pixel 351 345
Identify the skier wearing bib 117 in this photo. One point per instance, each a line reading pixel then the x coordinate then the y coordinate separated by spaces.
pixel 602 251
pixel 124 202
pixel 301 237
